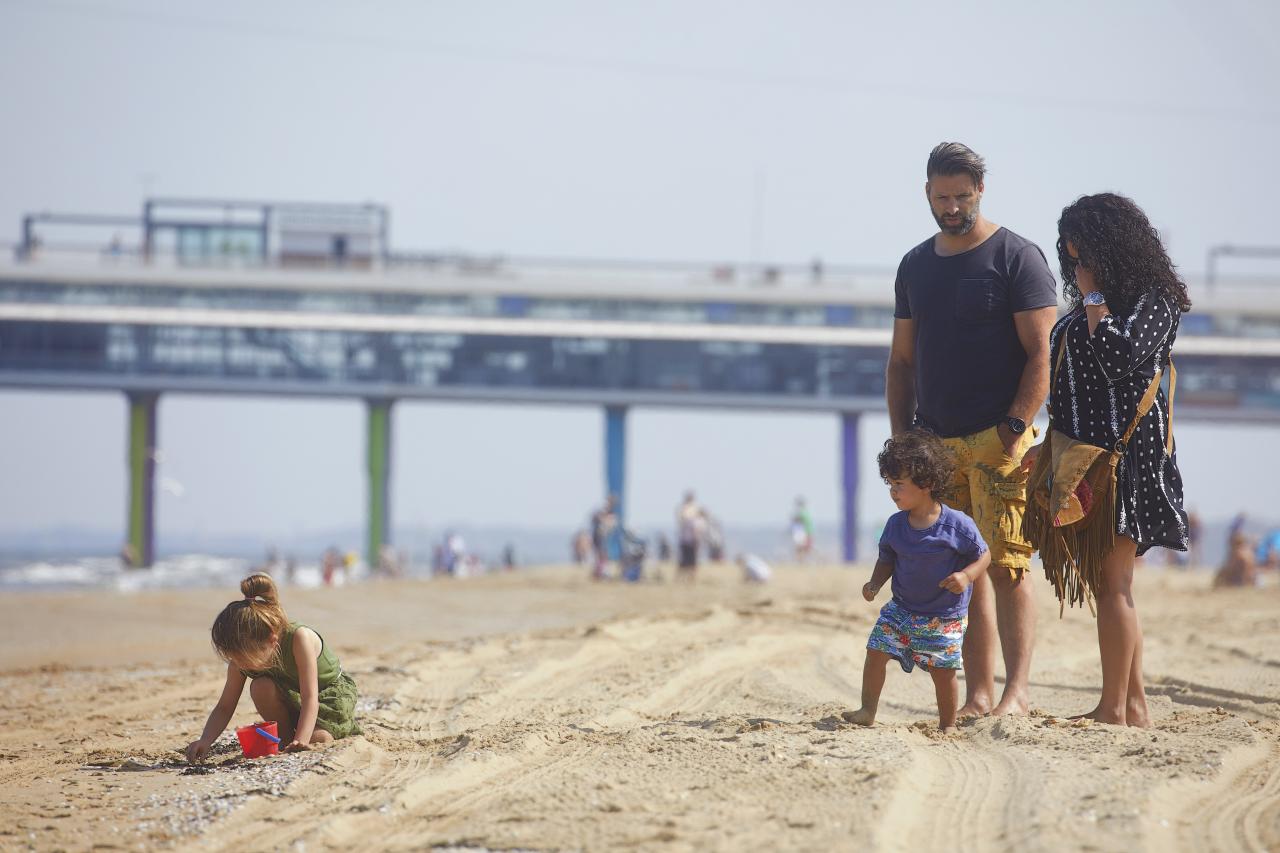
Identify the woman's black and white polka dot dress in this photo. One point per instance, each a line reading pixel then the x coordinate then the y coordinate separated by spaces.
pixel 1094 397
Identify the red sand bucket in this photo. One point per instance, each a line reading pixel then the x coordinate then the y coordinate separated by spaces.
pixel 258 740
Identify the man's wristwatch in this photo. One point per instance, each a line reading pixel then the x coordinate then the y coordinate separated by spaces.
pixel 1017 426
pixel 1094 297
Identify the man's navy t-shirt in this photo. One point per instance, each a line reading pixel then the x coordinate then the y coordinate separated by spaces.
pixel 968 359
pixel 922 558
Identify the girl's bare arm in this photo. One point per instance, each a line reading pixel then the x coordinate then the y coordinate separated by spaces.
pixel 220 715
pixel 306 648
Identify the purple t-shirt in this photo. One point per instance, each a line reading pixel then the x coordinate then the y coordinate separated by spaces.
pixel 922 558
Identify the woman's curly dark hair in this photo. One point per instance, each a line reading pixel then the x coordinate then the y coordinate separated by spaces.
pixel 919 456
pixel 1117 243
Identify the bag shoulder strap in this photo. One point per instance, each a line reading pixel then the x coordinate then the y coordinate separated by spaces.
pixel 1057 368
pixel 1144 406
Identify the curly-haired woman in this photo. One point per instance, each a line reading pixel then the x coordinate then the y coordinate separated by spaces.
pixel 1126 300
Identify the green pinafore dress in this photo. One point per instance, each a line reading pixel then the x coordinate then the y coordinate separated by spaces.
pixel 337 712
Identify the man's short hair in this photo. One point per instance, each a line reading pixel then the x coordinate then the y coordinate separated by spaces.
pixel 955 158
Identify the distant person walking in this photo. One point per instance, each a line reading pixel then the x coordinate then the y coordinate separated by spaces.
pixel 969 361
pixel 689 531
pixel 603 522
pixel 1114 345
pixel 801 531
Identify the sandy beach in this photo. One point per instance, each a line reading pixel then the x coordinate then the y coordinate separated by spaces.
pixel 539 711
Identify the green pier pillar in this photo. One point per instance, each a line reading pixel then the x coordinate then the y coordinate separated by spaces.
pixel 142 477
pixel 379 459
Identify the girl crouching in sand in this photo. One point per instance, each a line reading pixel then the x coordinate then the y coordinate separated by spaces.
pixel 933 553
pixel 296 679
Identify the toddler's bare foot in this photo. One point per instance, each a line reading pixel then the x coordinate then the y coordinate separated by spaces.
pixel 860 717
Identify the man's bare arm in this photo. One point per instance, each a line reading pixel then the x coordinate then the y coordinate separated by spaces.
pixel 900 376
pixel 1033 331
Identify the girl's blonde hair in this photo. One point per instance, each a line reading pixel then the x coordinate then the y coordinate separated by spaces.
pixel 245 627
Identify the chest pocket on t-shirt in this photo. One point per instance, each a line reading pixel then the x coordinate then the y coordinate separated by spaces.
pixel 979 300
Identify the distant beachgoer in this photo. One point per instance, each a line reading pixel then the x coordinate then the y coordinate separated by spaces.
pixel 389 563
pixel 1195 532
pixel 580 547
pixel 128 556
pixel 509 557
pixel 754 569
pixel 603 522
pixel 329 565
pixel 934 554
pixel 455 554
pixel 1240 568
pixel 296 679
pixel 801 531
pixel 290 569
pixel 664 547
pixel 689 532
pixel 715 538
pixel 1269 551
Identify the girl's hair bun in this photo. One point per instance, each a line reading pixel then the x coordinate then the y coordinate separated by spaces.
pixel 260 586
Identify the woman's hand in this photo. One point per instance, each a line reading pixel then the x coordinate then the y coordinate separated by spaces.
pixel 1029 458
pixel 869 591
pixel 197 750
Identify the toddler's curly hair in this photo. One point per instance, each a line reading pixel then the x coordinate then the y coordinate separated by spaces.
pixel 919 456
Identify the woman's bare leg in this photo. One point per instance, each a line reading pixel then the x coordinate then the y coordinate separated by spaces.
pixel 1135 710
pixel 1119 634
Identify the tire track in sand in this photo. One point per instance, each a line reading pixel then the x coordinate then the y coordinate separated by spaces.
pixel 957 789
pixel 1242 813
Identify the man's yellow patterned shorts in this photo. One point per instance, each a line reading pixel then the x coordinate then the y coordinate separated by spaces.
pixel 991 488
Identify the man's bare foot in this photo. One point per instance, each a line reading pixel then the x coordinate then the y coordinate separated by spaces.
pixel 1010 705
pixel 949 730
pixel 860 717
pixel 974 708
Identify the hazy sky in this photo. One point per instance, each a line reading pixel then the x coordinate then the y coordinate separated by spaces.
pixel 600 130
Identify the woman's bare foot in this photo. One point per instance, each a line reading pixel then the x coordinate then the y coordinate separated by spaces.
pixel 1099 716
pixel 860 717
pixel 949 730
pixel 975 708
pixel 1136 714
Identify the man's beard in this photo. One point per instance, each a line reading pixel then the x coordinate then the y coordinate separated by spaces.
pixel 958 229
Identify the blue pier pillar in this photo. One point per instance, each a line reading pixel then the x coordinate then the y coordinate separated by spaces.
pixel 141 461
pixel 849 484
pixel 378 526
pixel 615 463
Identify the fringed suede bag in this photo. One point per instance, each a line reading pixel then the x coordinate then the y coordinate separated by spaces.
pixel 1071 500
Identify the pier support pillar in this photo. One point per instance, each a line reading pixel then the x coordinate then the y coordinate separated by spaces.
pixel 141 461
pixel 849 484
pixel 378 428
pixel 615 463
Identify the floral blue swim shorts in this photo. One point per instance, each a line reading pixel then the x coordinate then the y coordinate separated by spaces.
pixel 933 642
